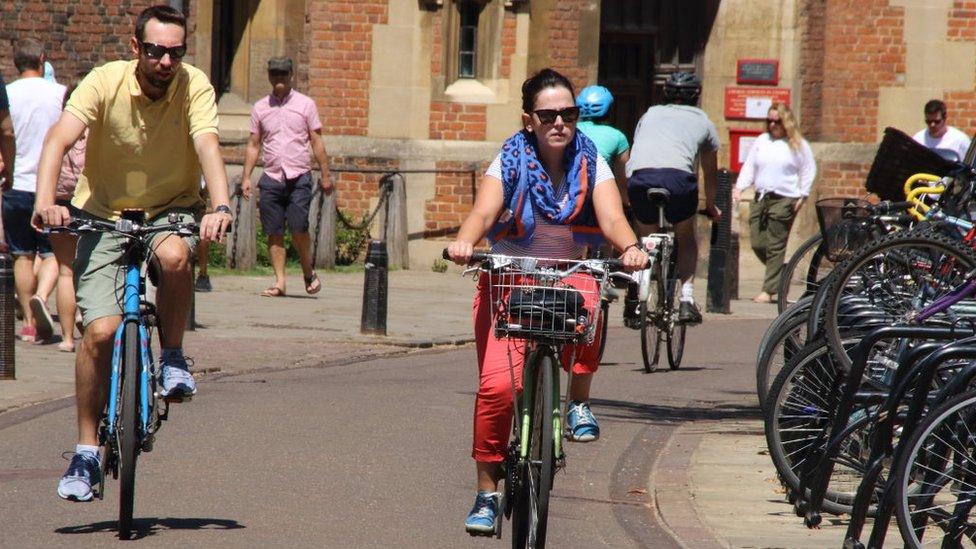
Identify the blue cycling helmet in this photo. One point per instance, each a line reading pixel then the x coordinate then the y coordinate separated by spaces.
pixel 594 102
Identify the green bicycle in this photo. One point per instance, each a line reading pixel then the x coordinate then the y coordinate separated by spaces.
pixel 542 303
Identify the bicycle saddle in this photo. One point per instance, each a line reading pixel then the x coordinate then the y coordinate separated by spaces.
pixel 657 195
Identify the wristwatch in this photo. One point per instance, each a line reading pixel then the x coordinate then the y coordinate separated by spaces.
pixel 223 208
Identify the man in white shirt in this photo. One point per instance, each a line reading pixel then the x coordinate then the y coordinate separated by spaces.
pixel 35 105
pixel 949 142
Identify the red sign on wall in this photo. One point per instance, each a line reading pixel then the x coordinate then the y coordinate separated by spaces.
pixel 740 141
pixel 753 103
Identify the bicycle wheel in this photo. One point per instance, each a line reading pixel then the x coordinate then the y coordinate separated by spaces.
pixel 676 332
pixel 651 315
pixel 799 412
pixel 538 470
pixel 936 478
pixel 604 311
pixel 786 341
pixel 886 283
pixel 128 427
pixel 803 273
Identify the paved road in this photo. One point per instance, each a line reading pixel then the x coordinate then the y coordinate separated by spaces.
pixel 371 454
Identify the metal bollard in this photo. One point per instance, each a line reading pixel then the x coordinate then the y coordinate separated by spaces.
pixel 7 318
pixel 375 289
pixel 721 264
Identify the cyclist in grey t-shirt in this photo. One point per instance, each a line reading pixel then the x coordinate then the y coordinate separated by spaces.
pixel 668 140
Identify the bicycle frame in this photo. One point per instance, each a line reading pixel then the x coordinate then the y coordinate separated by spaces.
pixel 132 295
pixel 527 405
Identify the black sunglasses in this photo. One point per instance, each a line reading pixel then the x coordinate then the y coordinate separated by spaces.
pixel 548 116
pixel 155 51
pixel 934 121
pixel 771 122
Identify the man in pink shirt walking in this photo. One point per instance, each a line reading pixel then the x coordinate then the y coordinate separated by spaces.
pixel 286 126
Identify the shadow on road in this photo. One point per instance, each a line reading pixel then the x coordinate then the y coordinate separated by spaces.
pixel 145 527
pixel 622 410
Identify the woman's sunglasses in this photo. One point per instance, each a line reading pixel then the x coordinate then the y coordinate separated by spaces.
pixel 548 116
pixel 772 122
pixel 155 51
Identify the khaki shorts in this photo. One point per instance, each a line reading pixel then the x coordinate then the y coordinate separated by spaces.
pixel 100 267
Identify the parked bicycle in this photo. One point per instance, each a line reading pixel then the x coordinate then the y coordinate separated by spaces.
pixel 533 301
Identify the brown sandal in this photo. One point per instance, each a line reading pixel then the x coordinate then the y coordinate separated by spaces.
pixel 309 281
pixel 273 291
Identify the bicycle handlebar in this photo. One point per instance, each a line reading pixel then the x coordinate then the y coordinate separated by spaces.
pixel 612 265
pixel 126 227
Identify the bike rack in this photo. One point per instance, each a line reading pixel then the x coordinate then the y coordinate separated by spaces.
pixel 816 474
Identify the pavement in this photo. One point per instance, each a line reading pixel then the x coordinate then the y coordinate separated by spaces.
pixel 709 484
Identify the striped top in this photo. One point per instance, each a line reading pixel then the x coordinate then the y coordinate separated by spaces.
pixel 550 240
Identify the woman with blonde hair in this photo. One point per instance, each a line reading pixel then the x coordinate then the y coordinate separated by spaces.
pixel 781 167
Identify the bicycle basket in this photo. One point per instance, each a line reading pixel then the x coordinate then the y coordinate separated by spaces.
pixel 543 308
pixel 845 225
pixel 898 158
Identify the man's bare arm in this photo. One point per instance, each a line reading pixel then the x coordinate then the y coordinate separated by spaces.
pixel 8 149
pixel 250 160
pixel 213 225
pixel 68 129
pixel 318 149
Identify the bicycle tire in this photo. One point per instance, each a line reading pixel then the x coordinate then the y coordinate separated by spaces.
pixel 542 449
pixel 128 428
pixel 816 407
pixel 604 312
pixel 676 332
pixel 787 339
pixel 812 251
pixel 650 313
pixel 938 422
pixel 837 325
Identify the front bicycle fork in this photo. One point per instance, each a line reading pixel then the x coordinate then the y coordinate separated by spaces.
pixel 527 406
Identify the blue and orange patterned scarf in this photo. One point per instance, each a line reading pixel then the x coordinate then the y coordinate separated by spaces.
pixel 525 180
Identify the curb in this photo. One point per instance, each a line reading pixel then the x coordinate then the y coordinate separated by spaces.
pixel 673 498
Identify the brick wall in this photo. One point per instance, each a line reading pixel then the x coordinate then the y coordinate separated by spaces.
pixel 840 179
pixel 356 190
pixel 564 23
pixel 812 14
pixel 508 43
pixel 864 50
pixel 78 35
pixel 340 38
pixel 962 21
pixel 453 197
pixel 457 121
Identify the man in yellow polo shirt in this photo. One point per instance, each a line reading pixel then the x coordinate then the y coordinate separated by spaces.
pixel 152 126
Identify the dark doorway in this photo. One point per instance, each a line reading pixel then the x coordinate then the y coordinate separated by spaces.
pixel 230 20
pixel 641 43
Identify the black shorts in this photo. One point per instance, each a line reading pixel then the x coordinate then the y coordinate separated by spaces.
pixel 285 202
pixel 682 185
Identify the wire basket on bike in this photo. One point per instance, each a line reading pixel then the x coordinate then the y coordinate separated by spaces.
pixel 845 225
pixel 535 302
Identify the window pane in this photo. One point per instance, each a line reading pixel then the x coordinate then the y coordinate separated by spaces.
pixel 467 38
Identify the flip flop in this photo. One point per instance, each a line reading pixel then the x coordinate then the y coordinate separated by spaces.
pixel 309 281
pixel 273 291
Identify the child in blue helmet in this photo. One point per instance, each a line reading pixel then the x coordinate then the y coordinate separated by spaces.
pixel 594 103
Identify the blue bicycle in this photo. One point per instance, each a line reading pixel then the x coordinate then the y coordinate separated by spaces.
pixel 135 410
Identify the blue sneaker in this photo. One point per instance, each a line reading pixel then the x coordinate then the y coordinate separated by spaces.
pixel 177 380
pixel 582 424
pixel 481 519
pixel 83 473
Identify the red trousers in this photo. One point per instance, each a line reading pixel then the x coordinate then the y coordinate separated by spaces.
pixel 493 405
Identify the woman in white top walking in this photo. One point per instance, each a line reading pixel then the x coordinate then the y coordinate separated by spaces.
pixel 781 167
